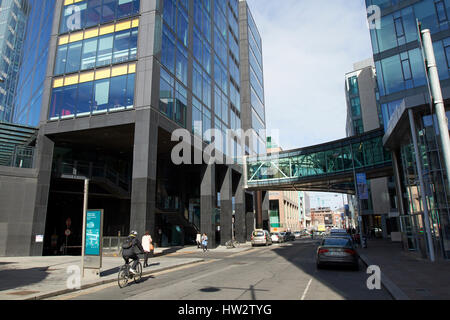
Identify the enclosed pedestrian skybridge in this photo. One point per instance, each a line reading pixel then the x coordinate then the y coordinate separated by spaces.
pixel 328 167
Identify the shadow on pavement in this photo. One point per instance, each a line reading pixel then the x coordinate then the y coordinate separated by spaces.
pixel 349 284
pixel 14 278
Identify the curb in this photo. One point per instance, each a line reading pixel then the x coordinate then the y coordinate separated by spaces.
pixel 102 282
pixel 387 283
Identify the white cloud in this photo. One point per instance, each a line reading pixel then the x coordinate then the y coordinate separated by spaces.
pixel 308 46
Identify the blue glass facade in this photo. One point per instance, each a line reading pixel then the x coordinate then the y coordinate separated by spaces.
pixel 85 14
pixel 95 64
pixel 256 87
pixel 212 53
pixel 401 73
pixel 28 100
pixel 398 58
pixel 13 19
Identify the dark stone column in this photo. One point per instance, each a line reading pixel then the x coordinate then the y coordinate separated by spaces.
pixel 208 204
pixel 250 224
pixel 143 196
pixel 43 162
pixel 259 209
pixel 239 208
pixel 265 210
pixel 226 206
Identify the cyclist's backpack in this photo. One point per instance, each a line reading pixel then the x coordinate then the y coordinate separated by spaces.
pixel 128 243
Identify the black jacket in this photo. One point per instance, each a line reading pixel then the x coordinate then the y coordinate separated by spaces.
pixel 135 243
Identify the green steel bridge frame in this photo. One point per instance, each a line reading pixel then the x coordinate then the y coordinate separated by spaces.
pixel 328 167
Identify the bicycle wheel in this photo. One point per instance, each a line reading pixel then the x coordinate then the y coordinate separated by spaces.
pixel 138 275
pixel 123 277
pixel 236 244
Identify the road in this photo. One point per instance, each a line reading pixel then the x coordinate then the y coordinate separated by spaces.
pixel 279 272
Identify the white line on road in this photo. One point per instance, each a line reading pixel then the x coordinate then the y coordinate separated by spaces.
pixel 306 290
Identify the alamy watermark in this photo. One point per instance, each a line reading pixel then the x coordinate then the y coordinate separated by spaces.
pixel 74 280
pixel 222 147
pixel 374 281
pixel 374 17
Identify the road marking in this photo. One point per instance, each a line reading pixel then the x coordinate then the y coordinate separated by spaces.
pixel 82 292
pixel 306 290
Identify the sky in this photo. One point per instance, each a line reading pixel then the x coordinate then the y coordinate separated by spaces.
pixel 308 47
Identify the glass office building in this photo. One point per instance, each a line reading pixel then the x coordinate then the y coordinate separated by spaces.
pixel 253 106
pixel 363 115
pixel 402 86
pixel 122 77
pixel 30 86
pixel 13 19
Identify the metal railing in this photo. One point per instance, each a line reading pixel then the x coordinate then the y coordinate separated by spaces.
pixel 16 156
pixel 82 169
pixel 113 244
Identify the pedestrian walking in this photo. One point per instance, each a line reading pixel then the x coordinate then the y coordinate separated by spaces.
pixel 199 240
pixel 205 242
pixel 147 244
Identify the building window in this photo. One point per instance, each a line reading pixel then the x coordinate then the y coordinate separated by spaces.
pixel 356 107
pixel 353 86
pixel 441 11
pixel 79 95
pixel 85 14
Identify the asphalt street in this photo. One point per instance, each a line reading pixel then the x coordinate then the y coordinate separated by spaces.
pixel 279 272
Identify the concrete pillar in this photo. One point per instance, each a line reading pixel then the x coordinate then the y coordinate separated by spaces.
pixel 384 225
pixel 265 210
pixel 398 184
pixel 226 206
pixel 259 209
pixel 208 203
pixel 43 163
pixel 143 196
pixel 240 214
pixel 249 224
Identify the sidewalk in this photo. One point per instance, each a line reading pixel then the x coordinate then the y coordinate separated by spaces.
pixel 29 278
pixel 405 275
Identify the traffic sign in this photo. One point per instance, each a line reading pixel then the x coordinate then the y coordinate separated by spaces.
pixel 68 232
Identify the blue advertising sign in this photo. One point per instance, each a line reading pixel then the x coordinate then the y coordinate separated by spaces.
pixel 93 232
pixel 363 190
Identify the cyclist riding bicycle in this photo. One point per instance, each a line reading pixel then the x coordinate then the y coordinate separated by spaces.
pixel 129 250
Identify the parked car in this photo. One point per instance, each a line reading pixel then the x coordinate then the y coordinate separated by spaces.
pixel 337 251
pixel 341 233
pixel 297 235
pixel 283 234
pixel 337 231
pixel 290 236
pixel 277 237
pixel 261 237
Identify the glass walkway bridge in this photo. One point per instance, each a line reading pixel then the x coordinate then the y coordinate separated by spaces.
pixel 329 167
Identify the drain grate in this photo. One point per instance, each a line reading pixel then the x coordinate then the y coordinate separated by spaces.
pixel 22 293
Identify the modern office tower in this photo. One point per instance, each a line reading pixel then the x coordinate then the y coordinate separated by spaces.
pixel 252 81
pixel 30 85
pixel 122 76
pixel 13 19
pixel 253 114
pixel 406 109
pixel 363 115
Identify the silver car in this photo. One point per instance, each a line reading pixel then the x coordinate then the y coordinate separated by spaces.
pixel 261 237
pixel 337 251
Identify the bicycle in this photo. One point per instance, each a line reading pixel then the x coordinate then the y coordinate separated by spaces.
pixel 125 275
pixel 232 244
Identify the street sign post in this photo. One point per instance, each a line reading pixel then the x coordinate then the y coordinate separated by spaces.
pixel 93 234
